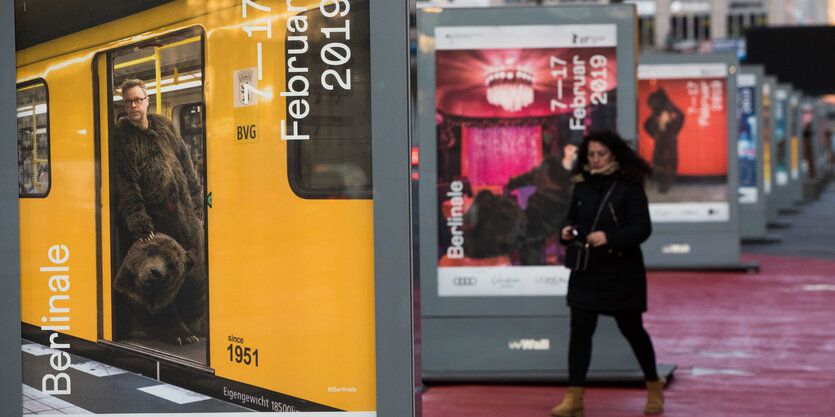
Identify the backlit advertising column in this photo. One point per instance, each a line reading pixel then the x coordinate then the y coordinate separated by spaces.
pixel 505 96
pixel 782 146
pixel 750 152
pixel 687 131
pixel 770 149
pixel 513 104
pixel 796 164
pixel 201 229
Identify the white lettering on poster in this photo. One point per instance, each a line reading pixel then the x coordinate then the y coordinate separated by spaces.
pixel 455 221
pixel 705 98
pixel 676 248
pixel 58 319
pixel 336 54
pixel 529 344
pixel 689 212
pixel 502 281
pixel 596 88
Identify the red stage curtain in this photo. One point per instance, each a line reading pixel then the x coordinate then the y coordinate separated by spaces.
pixel 494 154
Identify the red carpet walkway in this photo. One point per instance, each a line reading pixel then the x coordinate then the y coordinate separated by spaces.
pixel 746 345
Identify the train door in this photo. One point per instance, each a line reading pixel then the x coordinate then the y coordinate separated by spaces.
pixel 171 68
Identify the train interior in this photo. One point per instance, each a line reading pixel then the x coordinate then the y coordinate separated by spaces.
pixel 32 140
pixel 172 69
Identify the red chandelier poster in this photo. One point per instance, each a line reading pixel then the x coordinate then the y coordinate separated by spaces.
pixel 513 104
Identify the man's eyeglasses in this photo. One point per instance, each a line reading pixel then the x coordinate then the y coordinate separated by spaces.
pixel 131 101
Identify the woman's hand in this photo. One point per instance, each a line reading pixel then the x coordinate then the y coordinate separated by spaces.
pixel 596 239
pixel 566 233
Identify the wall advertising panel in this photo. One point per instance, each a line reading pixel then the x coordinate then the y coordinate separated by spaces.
pixel 513 104
pixel 204 238
pixel 747 150
pixel 794 133
pixel 505 96
pixel 781 137
pixel 684 135
pixel 767 91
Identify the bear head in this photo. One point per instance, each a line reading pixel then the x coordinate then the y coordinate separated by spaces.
pixel 153 271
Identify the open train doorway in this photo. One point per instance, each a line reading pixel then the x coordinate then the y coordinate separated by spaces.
pixel 154 293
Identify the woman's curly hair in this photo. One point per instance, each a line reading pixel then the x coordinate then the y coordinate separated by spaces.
pixel 632 165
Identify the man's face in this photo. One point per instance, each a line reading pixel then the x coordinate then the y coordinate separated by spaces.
pixel 136 104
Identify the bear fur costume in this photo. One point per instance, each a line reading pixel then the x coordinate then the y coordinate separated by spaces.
pixel 167 288
pixel 494 225
pixel 157 187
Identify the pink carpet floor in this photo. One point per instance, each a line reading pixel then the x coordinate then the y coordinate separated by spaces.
pixel 746 345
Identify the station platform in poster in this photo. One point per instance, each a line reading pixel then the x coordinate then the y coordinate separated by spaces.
pixel 97 388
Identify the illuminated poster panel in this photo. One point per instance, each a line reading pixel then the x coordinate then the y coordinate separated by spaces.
pixel 747 146
pixel 781 137
pixel 767 91
pixel 512 106
pixel 684 135
pixel 794 134
pixel 256 165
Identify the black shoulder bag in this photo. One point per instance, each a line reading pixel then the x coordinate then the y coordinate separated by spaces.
pixel 577 252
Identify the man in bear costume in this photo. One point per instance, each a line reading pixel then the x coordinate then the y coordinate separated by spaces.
pixel 663 125
pixel 157 188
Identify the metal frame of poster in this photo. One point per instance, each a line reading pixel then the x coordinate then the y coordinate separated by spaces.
pixel 769 151
pixel 687 112
pixel 505 95
pixel 335 329
pixel 752 200
pixel 826 140
pixel 809 131
pixel 10 387
pixel 796 172
pixel 783 119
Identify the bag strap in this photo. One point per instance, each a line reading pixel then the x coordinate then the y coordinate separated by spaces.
pixel 602 203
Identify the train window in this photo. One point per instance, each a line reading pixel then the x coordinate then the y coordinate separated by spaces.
pixel 33 167
pixel 335 162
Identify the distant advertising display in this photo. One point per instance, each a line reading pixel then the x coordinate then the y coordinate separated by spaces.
pixel 781 159
pixel 794 154
pixel 513 104
pixel 766 138
pixel 747 145
pixel 683 133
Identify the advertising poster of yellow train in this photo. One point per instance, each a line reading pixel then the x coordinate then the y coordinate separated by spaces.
pixel 195 194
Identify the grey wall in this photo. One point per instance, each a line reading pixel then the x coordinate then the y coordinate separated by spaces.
pixel 10 377
pixel 396 393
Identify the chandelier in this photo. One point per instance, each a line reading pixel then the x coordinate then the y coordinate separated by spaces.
pixel 509 88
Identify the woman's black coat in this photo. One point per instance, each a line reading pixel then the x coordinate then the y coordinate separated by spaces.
pixel 616 278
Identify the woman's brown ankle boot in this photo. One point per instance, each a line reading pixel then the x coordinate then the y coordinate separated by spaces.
pixel 571 405
pixel 655 396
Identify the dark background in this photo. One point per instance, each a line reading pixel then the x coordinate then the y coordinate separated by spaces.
pixel 801 56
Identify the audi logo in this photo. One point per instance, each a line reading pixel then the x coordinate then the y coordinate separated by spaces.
pixel 464 281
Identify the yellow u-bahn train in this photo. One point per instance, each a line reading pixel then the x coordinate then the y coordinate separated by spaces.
pixel 272 102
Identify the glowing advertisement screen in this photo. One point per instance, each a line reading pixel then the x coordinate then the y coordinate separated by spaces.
pixel 794 153
pixel 747 145
pixel 767 138
pixel 781 141
pixel 513 104
pixel 683 133
pixel 181 263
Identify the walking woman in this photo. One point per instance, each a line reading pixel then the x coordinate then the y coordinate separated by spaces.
pixel 609 215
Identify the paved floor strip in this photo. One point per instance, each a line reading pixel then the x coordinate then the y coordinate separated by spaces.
pixel 174 394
